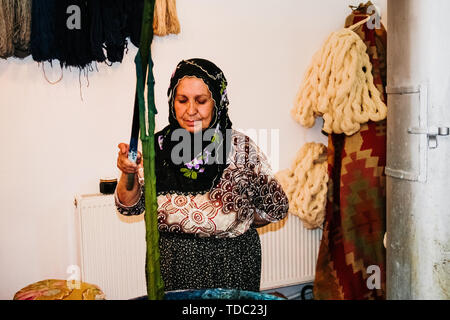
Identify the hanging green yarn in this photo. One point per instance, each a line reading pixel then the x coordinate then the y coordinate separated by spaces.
pixel 143 60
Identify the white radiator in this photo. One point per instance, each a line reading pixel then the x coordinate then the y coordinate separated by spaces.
pixel 289 253
pixel 111 249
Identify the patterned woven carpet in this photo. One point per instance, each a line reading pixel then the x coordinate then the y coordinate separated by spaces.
pixel 355 220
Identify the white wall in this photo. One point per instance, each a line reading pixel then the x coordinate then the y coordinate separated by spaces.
pixel 55 145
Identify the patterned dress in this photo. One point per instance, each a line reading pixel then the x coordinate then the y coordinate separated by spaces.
pixel 209 240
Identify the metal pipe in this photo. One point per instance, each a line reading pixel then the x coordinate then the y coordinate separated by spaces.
pixel 418 150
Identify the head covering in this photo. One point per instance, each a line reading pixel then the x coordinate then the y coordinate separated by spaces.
pixel 203 171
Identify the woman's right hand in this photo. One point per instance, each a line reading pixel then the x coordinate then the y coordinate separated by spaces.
pixel 124 164
pixel 128 197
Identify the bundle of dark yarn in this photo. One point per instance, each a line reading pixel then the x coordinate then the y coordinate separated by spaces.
pixel 134 10
pixel 79 32
pixel 72 33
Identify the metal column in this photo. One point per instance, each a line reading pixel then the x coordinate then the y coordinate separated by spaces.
pixel 418 151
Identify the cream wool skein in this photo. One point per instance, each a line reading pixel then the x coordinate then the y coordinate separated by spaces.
pixel 338 86
pixel 305 184
pixel 165 19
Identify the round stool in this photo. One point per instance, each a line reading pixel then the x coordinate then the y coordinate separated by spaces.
pixel 53 289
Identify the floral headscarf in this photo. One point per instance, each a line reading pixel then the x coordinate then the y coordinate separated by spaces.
pixel 203 172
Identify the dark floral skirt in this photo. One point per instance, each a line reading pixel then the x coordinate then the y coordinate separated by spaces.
pixel 190 262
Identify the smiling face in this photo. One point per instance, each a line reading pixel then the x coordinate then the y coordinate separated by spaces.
pixel 193 104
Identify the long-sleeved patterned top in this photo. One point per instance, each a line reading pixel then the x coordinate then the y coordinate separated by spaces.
pixel 246 187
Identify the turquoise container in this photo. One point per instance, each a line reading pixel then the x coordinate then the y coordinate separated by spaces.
pixel 215 294
pixel 218 294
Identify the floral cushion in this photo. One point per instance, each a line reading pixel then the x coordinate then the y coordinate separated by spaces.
pixel 53 289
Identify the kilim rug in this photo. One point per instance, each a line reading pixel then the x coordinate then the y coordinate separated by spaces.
pixel 355 220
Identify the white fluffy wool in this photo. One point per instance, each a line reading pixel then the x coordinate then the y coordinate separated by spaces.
pixel 305 184
pixel 338 86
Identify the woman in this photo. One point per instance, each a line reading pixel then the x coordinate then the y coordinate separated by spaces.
pixel 210 204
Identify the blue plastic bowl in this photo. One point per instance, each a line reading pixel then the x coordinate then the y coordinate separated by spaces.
pixel 215 294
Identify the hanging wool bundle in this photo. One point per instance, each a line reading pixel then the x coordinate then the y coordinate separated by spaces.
pixel 172 23
pixel 165 19
pixel 114 28
pixel 305 184
pixel 102 26
pixel 102 35
pixel 73 41
pixel 22 28
pixel 159 19
pixel 134 11
pixel 96 26
pixel 339 87
pixel 15 28
pixel 6 28
pixel 43 31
